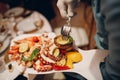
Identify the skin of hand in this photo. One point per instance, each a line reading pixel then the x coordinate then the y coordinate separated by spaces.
pixel 66 7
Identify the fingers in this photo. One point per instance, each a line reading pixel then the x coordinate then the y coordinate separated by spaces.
pixel 70 11
pixel 66 7
pixel 62 8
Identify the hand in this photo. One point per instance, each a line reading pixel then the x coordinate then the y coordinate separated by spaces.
pixel 66 7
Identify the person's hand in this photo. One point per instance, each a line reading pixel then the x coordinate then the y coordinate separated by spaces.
pixel 66 7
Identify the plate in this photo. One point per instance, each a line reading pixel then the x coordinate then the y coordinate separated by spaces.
pixel 27 25
pixel 17 11
pixel 88 67
pixel 6 44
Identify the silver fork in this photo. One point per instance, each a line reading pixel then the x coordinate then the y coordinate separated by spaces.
pixel 66 29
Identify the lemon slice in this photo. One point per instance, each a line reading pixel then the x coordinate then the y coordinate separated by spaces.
pixel 59 39
pixel 69 63
pixel 56 52
pixel 62 62
pixel 23 47
pixel 74 56
pixel 62 41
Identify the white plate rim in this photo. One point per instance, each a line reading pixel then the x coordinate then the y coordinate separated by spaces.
pixel 13 10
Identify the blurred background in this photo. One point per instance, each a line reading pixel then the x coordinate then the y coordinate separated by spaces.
pixel 83 19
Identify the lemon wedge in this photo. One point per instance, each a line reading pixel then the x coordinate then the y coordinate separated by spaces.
pixel 69 63
pixel 74 56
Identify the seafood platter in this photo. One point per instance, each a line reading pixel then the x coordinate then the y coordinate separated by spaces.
pixel 44 53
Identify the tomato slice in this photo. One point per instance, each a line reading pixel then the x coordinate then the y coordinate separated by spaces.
pixel 62 51
pixel 56 67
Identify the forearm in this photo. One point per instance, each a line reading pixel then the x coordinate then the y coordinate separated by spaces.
pixel 111 12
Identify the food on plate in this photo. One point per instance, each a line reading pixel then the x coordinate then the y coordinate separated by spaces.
pixel 32 56
pixel 60 41
pixel 23 47
pixel 62 62
pixel 64 44
pixel 57 67
pixel 42 53
pixel 73 57
pixel 39 23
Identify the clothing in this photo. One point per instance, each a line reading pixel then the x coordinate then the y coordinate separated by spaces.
pixel 107 16
pixel 101 36
pixel 43 6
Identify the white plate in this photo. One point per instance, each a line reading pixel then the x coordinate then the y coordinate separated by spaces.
pixel 88 67
pixel 27 24
pixel 17 11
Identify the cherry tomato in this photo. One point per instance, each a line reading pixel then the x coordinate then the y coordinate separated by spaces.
pixel 35 39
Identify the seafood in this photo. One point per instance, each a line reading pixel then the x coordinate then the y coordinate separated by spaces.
pixel 39 52
pixel 40 68
pixel 35 52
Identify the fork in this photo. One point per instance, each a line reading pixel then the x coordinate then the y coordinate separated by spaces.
pixel 66 29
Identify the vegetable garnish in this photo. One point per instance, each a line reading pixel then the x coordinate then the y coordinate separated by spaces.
pixel 61 41
pixel 56 67
pixel 23 47
pixel 44 53
pixel 33 55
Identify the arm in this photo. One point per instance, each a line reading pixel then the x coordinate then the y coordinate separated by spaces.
pixel 111 12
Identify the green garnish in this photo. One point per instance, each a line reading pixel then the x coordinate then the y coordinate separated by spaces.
pixel 61 41
pixel 33 55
